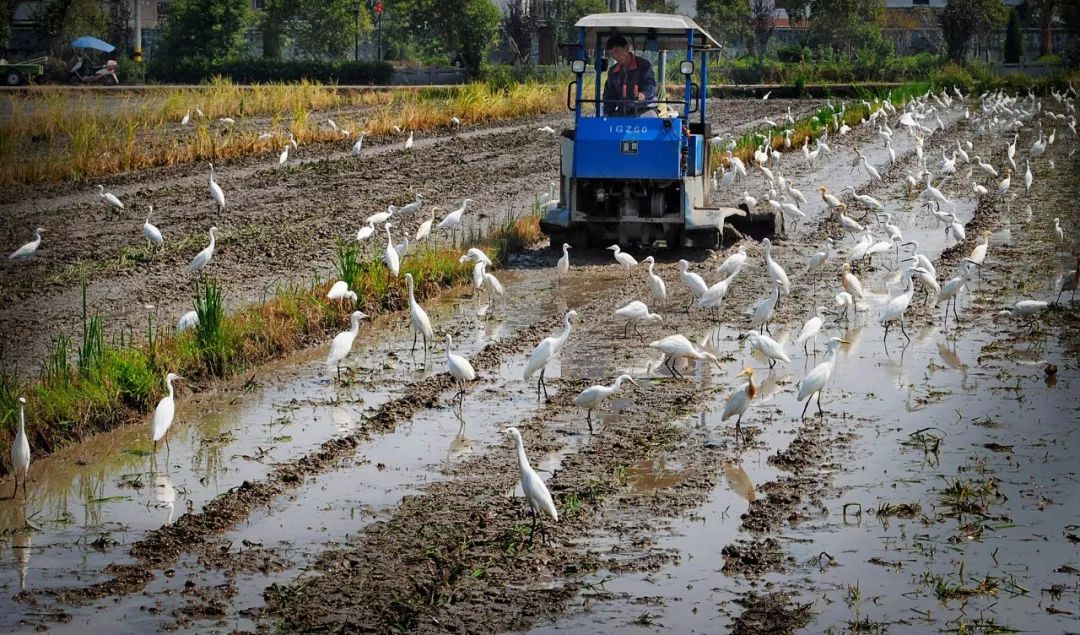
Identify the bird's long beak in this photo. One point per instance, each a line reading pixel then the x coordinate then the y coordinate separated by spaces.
pixel 844 342
pixel 634 382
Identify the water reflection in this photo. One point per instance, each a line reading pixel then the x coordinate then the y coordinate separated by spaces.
pixel 739 481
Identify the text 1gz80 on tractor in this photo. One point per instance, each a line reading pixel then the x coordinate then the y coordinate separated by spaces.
pixel 643 179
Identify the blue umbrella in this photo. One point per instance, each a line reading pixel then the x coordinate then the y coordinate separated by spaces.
pixel 87 42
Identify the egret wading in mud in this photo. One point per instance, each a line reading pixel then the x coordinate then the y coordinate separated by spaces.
pixel 732 263
pixel 676 347
pixel 20 451
pixel 623 258
pixel 536 492
pixel 542 354
pixel 593 396
pixel 421 323
pixel 215 191
pixel 163 414
pixel 340 291
pixel 365 232
pixel 637 312
pixel 109 198
pixel 898 306
pixel 740 400
pixel 768 347
pixel 453 219
pixel 424 230
pixel 460 368
pixel 29 249
pixel 775 271
pixel 818 378
pixel 811 329
pixel 657 288
pixel 562 267
pixel 201 259
pixel 342 343
pixel 151 232
pixel 391 258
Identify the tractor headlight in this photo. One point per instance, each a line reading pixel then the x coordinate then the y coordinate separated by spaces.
pixel 577 66
pixel 686 67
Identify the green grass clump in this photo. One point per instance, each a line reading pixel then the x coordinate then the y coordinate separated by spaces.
pixel 210 332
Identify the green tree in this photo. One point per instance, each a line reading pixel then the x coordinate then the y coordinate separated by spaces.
pixel 327 29
pixel 846 25
pixel 273 24
pixel 570 11
pixel 728 20
pixel 468 29
pixel 657 6
pixel 797 11
pixel 961 20
pixel 1044 11
pixel 62 21
pixel 212 29
pixel 1014 42
pixel 7 12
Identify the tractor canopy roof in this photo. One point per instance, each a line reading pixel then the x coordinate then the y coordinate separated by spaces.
pixel 647 31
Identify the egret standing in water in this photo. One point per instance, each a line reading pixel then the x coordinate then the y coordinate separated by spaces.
pixel 341 346
pixel 536 492
pixel 811 329
pixel 768 347
pixel 593 396
pixel 740 400
pixel 676 347
pixel 20 451
pixel 163 414
pixel 460 368
pixel 776 272
pixel 542 354
pixel 635 312
pixel 816 381
pixel 29 249
pixel 418 316
pixel 898 306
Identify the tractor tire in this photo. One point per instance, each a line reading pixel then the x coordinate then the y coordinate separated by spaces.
pixel 14 78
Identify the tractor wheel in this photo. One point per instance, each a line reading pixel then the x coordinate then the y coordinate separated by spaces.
pixel 14 78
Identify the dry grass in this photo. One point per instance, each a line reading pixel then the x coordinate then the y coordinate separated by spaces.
pixel 71 135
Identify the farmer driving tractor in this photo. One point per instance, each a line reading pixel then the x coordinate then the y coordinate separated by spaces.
pixel 630 89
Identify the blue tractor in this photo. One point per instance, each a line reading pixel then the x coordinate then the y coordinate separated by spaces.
pixel 638 180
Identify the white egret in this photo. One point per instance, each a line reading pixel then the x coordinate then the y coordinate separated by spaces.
pixel 656 284
pixel 768 347
pixel 676 347
pixel 988 169
pixel 1025 308
pixel 421 323
pixel 949 291
pixel 562 267
pixel 740 400
pixel 636 312
pixel 1059 233
pixel 819 258
pixel 20 451
pixel 593 396
pixel 955 230
pixel 831 201
pixel 866 200
pixel 818 378
pixel 1003 186
pixel 547 129
pixel 356 147
pixel 811 329
pixel 187 321
pixel 536 492
pixel 453 219
pixel 109 198
pixel 898 305
pixel 1038 147
pixel 850 225
pixel 978 254
pixel 845 302
pixel 775 271
pixel 414 206
pixel 932 193
pixel 623 258
pixel 733 263
pixel 402 249
pixel 215 190
pixel 460 368
pixel 186 119
pixel 542 354
pixel 979 189
pixel 409 141
pixel 340 291
pixel 424 230
pixel 763 310
pixel 1069 281
pixel 390 255
pixel 694 282
pixel 342 343
pixel 365 232
pixel 202 258
pixel 493 284
pixel 163 414
pixel 712 297
pixel 378 218
pixel 283 157
pixel 478 255
pixel 1028 178
pixel 152 233
pixel 29 249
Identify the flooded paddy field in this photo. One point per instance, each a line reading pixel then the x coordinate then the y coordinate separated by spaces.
pixel 936 491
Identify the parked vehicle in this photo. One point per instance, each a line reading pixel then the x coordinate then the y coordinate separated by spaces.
pixel 83 72
pixel 18 73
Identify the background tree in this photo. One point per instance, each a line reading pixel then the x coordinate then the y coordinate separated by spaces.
pixel 61 21
pixel 570 11
pixel 464 29
pixel 518 25
pixel 657 6
pixel 762 13
pixel 7 12
pixel 1044 12
pixel 846 25
pixel 327 29
pixel 211 29
pixel 961 20
pixel 726 20
pixel 1014 43
pixel 797 11
pixel 273 23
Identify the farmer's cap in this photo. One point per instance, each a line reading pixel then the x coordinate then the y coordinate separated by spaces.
pixel 615 40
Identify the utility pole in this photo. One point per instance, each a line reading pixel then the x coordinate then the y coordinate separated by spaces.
pixel 136 15
pixel 356 33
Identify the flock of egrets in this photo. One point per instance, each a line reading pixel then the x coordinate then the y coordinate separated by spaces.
pixel 919 119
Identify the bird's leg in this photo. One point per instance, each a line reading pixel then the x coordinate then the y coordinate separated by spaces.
pixel 804 347
pixel 886 337
pixel 903 330
pixel 532 528
pixel 414 341
pixel 588 419
pixel 167 448
pixel 637 332
pixel 803 416
pixel 624 330
pixel 689 304
pixel 819 410
pixel 946 326
pixel 26 477
pixel 339 372
pixel 15 492
pixel 766 325
pixel 772 362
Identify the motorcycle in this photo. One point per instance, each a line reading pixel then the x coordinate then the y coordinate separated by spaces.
pixel 83 73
